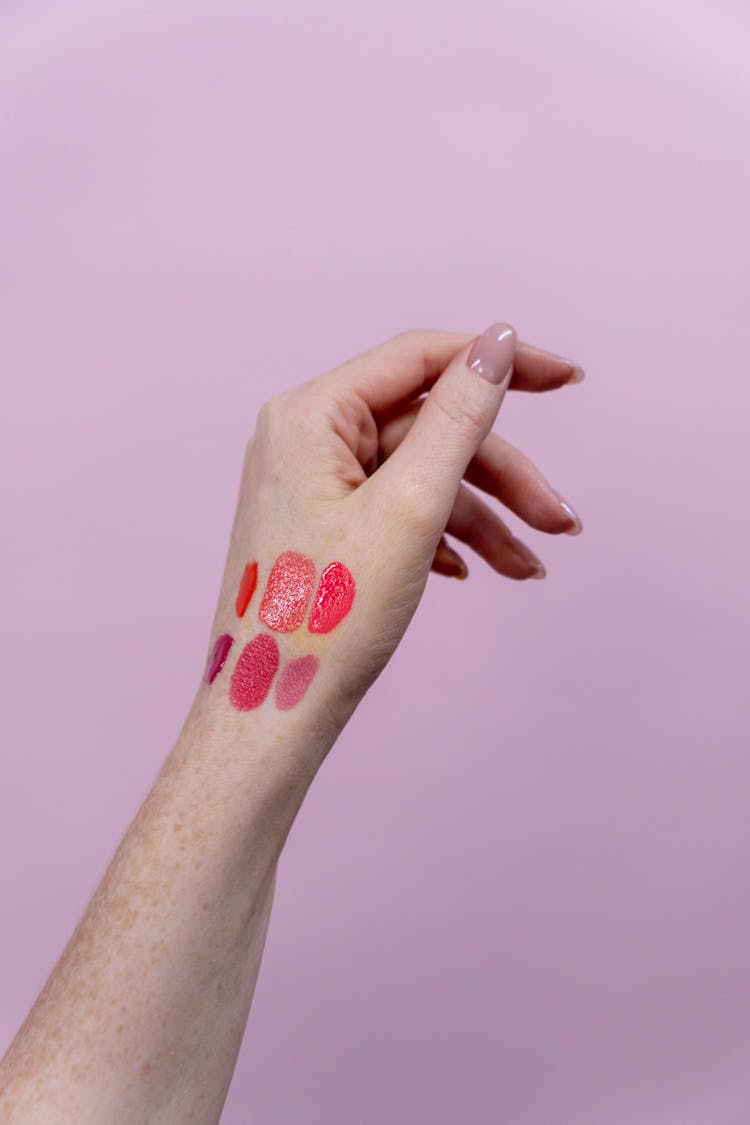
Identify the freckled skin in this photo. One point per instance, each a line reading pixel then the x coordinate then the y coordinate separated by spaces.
pixel 151 943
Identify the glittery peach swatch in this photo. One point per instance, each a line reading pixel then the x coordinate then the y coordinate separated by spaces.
pixel 288 591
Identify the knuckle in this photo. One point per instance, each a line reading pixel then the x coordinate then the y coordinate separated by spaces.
pixel 266 414
pixel 461 410
pixel 411 335
pixel 274 409
pixel 411 340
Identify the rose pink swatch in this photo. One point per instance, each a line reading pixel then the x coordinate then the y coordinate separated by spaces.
pixel 295 680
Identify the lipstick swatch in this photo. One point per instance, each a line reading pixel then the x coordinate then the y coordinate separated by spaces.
pixel 295 680
pixel 333 598
pixel 247 588
pixel 288 591
pixel 254 672
pixel 218 656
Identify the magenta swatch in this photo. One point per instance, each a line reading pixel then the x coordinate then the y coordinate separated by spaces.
pixel 218 656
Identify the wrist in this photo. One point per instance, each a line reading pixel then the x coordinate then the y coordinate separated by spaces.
pixel 288 745
pixel 239 778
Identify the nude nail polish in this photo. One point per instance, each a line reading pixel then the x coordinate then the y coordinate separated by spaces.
pixel 577 527
pixel 492 354
pixel 527 555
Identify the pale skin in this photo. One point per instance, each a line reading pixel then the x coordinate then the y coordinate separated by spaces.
pixel 372 463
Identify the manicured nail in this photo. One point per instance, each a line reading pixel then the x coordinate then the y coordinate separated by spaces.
pixel 577 375
pixel 526 555
pixel 492 354
pixel 570 512
pixel 450 562
pixel 458 568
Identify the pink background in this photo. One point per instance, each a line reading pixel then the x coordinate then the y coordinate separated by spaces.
pixel 526 900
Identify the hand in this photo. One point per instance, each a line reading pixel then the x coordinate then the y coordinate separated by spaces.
pixel 350 481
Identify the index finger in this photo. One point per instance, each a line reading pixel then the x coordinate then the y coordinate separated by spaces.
pixel 407 365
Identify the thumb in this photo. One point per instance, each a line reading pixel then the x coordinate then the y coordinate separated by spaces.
pixel 452 422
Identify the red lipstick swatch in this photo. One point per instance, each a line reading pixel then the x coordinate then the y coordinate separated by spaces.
pixel 254 672
pixel 247 588
pixel 333 599
pixel 295 680
pixel 215 662
pixel 290 584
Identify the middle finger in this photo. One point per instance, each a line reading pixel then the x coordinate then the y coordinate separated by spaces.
pixel 504 472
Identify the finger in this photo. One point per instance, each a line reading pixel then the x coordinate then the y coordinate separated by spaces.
pixel 475 524
pixel 537 370
pixel 504 472
pixel 408 364
pixel 448 562
pixel 508 474
pixel 422 475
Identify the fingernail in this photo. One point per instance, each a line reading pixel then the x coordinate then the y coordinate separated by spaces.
pixel 492 354
pixel 450 562
pixel 577 374
pixel 528 556
pixel 577 527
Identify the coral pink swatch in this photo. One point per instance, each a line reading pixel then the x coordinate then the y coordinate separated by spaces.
pixel 333 598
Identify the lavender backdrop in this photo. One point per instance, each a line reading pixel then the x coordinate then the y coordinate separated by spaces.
pixel 526 900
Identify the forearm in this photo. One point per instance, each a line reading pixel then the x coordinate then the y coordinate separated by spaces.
pixel 143 1015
